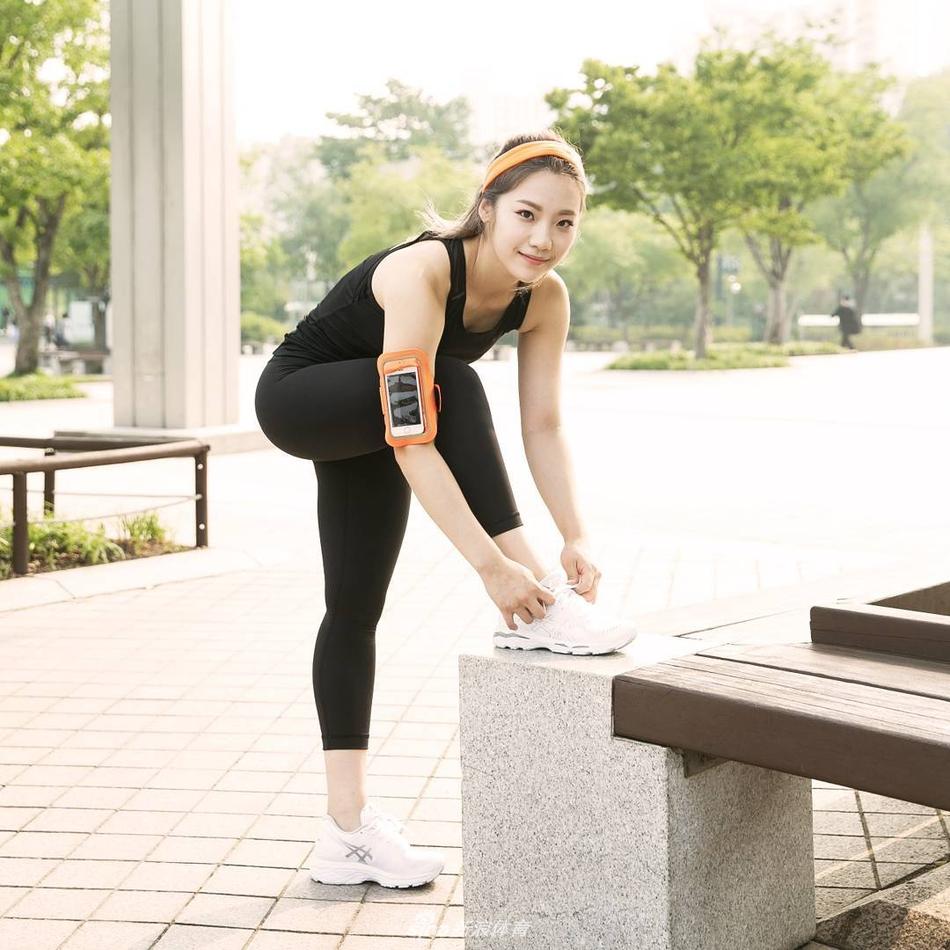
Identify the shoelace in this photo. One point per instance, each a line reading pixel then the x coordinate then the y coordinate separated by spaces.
pixel 384 818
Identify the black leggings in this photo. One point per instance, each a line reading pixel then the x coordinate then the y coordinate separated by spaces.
pixel 330 413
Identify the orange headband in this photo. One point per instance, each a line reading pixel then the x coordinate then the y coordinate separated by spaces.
pixel 521 153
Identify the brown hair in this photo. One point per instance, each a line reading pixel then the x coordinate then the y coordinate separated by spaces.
pixel 470 223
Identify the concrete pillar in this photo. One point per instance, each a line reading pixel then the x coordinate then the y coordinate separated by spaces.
pixel 175 252
pixel 925 284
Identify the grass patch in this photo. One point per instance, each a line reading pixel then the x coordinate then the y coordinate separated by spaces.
pixel 724 356
pixel 56 546
pixel 39 386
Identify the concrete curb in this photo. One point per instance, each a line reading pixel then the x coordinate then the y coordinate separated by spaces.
pixel 17 593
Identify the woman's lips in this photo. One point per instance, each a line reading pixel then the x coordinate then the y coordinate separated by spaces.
pixel 534 260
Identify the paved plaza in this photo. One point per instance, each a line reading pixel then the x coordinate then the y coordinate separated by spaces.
pixel 161 773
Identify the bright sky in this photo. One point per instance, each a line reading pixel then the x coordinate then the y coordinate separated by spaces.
pixel 296 60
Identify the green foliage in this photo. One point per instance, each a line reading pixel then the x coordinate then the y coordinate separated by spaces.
pixel 57 545
pixel 400 122
pixel 258 329
pixel 881 197
pixel 55 140
pixel 264 268
pixel 39 386
pixel 718 356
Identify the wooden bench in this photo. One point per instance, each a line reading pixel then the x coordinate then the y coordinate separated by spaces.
pixel 668 804
pixel 65 362
pixel 866 704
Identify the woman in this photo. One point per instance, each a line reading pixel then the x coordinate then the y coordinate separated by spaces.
pixel 451 293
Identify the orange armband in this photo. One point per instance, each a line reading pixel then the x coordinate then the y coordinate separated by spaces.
pixel 407 392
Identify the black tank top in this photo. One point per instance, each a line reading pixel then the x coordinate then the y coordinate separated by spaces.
pixel 348 323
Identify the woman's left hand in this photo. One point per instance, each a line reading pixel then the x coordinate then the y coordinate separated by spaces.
pixel 575 559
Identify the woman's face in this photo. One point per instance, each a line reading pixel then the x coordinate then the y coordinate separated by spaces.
pixel 538 218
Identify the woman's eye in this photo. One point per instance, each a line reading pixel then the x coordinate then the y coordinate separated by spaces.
pixel 526 211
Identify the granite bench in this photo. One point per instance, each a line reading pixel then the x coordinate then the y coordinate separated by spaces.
pixel 661 797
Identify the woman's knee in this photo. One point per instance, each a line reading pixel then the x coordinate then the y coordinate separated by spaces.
pixel 459 384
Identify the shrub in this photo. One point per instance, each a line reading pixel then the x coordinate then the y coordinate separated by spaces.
pixel 38 386
pixel 258 329
pixel 55 545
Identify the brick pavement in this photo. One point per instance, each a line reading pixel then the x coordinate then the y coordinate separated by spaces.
pixel 160 760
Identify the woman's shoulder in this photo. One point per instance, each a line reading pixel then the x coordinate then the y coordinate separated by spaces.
pixel 426 259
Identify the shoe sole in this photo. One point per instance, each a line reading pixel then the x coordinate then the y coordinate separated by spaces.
pixel 342 873
pixel 515 641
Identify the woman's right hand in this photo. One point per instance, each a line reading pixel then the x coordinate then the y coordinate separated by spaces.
pixel 514 590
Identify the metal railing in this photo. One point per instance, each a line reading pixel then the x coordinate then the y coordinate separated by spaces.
pixel 92 451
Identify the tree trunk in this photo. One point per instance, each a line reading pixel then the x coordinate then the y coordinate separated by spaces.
pixel 31 318
pixel 777 326
pixel 701 323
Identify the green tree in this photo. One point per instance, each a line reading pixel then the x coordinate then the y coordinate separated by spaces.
pixel 620 263
pixel 882 196
pixel 801 149
pixel 401 121
pixel 263 269
pixel 53 101
pixel 675 147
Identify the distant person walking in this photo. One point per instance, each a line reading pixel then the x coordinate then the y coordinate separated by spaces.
pixel 848 321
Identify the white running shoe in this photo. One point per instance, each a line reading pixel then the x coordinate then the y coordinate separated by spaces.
pixel 570 625
pixel 376 851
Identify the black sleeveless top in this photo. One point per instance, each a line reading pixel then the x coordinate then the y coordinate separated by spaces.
pixel 348 323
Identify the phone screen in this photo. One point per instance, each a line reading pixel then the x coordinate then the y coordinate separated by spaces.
pixel 404 404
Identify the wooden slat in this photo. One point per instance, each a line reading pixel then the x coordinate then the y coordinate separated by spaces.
pixel 907 674
pixel 866 737
pixel 887 629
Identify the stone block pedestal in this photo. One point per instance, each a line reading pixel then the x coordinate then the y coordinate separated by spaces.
pixel 573 838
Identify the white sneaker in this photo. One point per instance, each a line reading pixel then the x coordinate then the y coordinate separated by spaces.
pixel 570 625
pixel 376 851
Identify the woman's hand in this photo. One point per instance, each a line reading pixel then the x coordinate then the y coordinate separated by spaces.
pixel 576 560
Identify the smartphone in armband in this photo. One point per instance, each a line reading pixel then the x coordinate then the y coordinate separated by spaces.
pixel 406 410
pixel 408 393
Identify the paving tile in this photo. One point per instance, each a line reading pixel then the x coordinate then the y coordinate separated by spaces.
pixel 910 850
pixel 94 797
pixel 398 920
pixel 164 876
pixel 55 903
pixel 435 892
pixel 105 847
pixel 838 823
pixel 259 882
pixel 908 825
pixel 225 910
pixel 831 900
pixel 93 874
pixel 140 822
pixel 270 854
pixel 41 844
pixel 9 896
pixel 193 937
pixel 35 934
pixel 38 796
pixel 361 942
pixel 142 906
pixel 237 781
pixel 208 825
pixel 284 940
pixel 841 847
pixel 291 913
pixel 285 828
pixel 69 819
pixel 13 819
pixel 452 923
pixel 193 850
pixel 879 803
pixel 853 874
pixel 303 886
